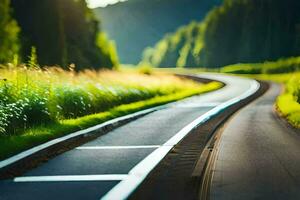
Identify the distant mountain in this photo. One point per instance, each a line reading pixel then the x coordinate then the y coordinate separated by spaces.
pixel 137 24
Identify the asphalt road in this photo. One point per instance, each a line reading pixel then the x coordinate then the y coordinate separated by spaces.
pixel 258 156
pixel 93 169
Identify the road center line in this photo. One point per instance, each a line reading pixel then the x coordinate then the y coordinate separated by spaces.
pixel 106 177
pixel 117 147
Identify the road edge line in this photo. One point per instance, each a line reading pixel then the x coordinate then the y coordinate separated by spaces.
pixel 8 165
pixel 136 176
pixel 111 124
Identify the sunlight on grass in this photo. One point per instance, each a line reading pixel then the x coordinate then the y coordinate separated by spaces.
pixel 285 71
pixel 288 103
pixel 53 102
pixel 268 67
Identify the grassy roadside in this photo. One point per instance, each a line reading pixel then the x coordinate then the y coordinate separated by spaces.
pixel 285 71
pixel 286 65
pixel 281 71
pixel 288 103
pixel 172 89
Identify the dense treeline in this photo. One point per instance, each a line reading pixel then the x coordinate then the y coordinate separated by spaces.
pixel 238 31
pixel 62 31
pixel 252 31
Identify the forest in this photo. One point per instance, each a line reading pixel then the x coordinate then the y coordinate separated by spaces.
pixel 58 32
pixel 238 31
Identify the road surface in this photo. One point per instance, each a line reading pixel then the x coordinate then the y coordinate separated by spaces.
pixel 95 168
pixel 258 156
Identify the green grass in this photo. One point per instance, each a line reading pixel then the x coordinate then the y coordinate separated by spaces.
pixel 288 103
pixel 286 65
pixel 285 71
pixel 38 106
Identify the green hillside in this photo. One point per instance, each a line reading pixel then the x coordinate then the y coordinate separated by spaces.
pixel 181 49
pixel 238 31
pixel 136 24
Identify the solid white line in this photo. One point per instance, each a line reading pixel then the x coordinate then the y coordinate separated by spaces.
pixel 46 145
pixel 30 152
pixel 107 177
pixel 117 147
pixel 123 189
pixel 137 175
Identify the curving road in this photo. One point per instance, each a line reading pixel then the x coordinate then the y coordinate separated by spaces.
pixel 258 155
pixel 113 165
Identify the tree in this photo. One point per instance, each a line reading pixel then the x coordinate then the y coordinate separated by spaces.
pixel 9 31
pixel 63 32
pixel 251 31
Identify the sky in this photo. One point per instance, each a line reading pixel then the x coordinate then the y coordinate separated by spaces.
pixel 101 3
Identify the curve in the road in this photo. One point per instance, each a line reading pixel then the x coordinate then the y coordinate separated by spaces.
pixel 258 155
pixel 113 165
pixel 140 171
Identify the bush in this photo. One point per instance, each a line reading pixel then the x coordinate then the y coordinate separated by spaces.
pixel 296 89
pixel 145 69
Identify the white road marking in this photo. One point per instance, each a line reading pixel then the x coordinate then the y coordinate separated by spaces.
pixel 107 177
pixel 129 182
pixel 118 147
pixel 135 177
pixel 195 105
pixel 137 174
pixel 46 145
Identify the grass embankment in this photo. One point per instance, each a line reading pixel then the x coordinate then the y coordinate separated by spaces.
pixel 282 71
pixel 39 105
pixel 288 103
pixel 287 65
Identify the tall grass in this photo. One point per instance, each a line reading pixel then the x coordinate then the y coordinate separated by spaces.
pixel 285 71
pixel 39 105
pixel 30 97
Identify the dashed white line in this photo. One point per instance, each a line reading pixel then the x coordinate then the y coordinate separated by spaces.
pixel 103 177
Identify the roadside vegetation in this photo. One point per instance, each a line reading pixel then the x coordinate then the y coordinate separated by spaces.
pixel 286 65
pixel 37 105
pixel 59 37
pixel 288 103
pixel 285 71
pixel 40 103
